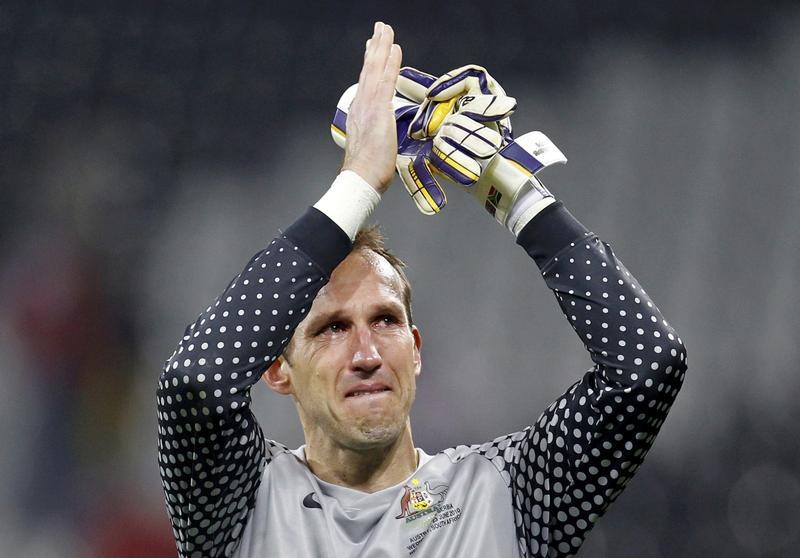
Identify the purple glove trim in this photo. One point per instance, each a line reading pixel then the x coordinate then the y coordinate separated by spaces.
pixel 515 153
pixel 425 181
pixel 482 116
pixel 423 78
pixel 472 72
pixel 442 163
pixel 419 123
pixel 340 120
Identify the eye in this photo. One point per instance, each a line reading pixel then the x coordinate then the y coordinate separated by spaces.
pixel 332 327
pixel 388 319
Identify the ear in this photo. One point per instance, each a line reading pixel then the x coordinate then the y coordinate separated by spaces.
pixel 417 346
pixel 278 376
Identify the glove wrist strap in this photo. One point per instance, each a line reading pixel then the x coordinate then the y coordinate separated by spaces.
pixel 532 200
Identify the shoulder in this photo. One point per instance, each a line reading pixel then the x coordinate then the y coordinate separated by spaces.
pixel 501 447
pixel 277 449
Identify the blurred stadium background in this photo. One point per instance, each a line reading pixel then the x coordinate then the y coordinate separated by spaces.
pixel 149 148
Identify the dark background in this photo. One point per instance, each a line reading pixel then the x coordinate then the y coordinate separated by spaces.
pixel 147 149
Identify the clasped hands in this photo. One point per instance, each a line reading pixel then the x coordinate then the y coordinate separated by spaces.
pixel 457 128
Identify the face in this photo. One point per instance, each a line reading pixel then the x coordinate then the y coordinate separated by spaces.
pixel 353 361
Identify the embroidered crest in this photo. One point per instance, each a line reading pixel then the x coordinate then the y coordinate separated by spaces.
pixel 419 498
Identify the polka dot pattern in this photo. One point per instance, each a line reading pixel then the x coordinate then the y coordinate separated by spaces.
pixel 568 467
pixel 211 449
pixel 562 472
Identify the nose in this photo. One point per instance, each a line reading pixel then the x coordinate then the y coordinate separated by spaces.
pixel 366 356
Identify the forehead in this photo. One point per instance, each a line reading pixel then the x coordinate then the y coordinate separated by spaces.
pixel 362 274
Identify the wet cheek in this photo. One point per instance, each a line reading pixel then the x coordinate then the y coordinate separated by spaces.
pixel 395 337
pixel 398 345
pixel 326 371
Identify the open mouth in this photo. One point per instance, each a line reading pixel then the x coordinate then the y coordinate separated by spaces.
pixel 365 392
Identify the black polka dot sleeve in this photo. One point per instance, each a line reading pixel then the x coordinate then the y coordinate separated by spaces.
pixel 567 468
pixel 211 450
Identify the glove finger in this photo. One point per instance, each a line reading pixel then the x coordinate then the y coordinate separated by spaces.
pixel 403 117
pixel 454 163
pixel 452 85
pixel 429 118
pixel 486 108
pixel 471 83
pixel 466 79
pixel 413 84
pixel 481 108
pixel 416 173
pixel 473 138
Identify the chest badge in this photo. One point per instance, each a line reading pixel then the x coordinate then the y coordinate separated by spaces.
pixel 418 498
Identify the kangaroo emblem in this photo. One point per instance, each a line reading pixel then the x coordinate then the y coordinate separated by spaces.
pixel 416 499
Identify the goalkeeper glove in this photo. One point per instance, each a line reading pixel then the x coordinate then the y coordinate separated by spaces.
pixel 467 112
pixel 439 98
pixel 445 95
pixel 498 173
pixel 473 145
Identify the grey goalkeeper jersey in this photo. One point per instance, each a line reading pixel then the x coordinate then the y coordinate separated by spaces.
pixel 230 491
pixel 455 504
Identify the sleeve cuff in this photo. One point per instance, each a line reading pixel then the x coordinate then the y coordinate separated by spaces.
pixel 320 238
pixel 549 232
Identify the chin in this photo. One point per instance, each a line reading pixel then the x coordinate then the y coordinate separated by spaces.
pixel 371 436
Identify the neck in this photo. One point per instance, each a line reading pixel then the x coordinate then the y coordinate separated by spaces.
pixel 368 470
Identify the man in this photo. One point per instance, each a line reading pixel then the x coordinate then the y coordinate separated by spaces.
pixel 327 320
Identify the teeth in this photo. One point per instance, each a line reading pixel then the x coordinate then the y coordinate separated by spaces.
pixel 359 393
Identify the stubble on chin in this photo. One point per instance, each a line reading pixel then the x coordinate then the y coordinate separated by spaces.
pixel 371 434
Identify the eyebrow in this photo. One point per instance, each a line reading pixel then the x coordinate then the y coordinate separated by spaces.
pixel 391 308
pixel 339 315
pixel 315 323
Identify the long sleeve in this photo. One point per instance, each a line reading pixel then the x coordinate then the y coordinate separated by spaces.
pixel 211 449
pixel 567 468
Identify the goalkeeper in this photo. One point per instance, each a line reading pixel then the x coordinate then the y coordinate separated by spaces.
pixel 323 315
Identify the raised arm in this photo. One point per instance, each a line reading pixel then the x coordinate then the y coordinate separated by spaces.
pixel 572 463
pixel 564 470
pixel 211 449
pixel 582 451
